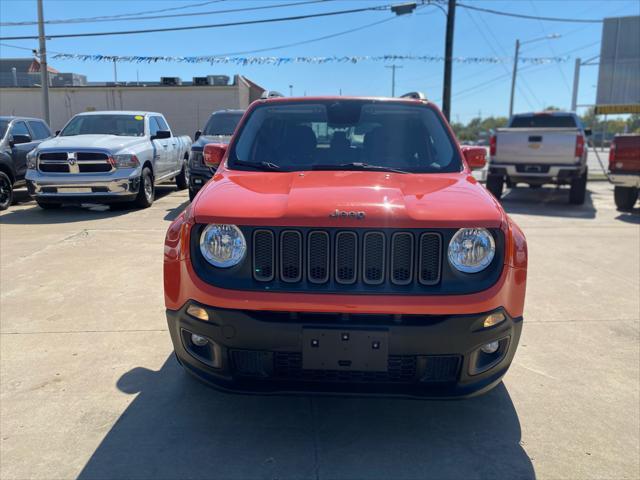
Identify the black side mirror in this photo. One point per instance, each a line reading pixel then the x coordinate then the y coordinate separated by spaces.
pixel 57 133
pixel 588 132
pixel 18 139
pixel 197 135
pixel 161 134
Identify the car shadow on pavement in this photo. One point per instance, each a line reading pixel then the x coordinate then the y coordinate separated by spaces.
pixel 177 427
pixel 631 216
pixel 172 213
pixel 542 201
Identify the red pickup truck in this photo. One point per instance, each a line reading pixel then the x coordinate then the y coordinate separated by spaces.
pixel 344 246
pixel 624 169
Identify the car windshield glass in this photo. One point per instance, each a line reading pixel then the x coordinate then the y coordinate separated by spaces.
pixel 121 125
pixel 348 135
pixel 3 127
pixel 222 124
pixel 543 121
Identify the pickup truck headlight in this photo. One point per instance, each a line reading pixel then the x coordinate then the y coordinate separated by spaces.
pixel 32 157
pixel 223 246
pixel 471 250
pixel 125 160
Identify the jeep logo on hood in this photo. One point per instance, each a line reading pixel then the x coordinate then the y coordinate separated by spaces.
pixel 348 214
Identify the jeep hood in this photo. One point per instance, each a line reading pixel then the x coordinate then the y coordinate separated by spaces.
pixel 309 199
pixel 113 143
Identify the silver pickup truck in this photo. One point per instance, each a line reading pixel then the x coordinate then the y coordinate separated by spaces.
pixel 107 157
pixel 537 149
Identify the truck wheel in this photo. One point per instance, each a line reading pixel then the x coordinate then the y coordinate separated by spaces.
pixel 48 205
pixel 495 184
pixel 6 191
pixel 578 188
pixel 625 197
pixel 146 190
pixel 192 194
pixel 182 180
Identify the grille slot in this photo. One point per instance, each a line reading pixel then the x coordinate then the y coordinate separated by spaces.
pixel 318 257
pixel 53 156
pixel 429 259
pixel 92 156
pixel 264 255
pixel 54 167
pixel 94 167
pixel 346 257
pixel 290 256
pixel 402 258
pixel 373 258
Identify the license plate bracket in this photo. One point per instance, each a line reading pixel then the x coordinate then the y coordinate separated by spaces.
pixel 337 349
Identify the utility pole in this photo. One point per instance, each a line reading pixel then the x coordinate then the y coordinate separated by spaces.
pixel 44 71
pixel 448 54
pixel 576 82
pixel 291 90
pixel 393 78
pixel 115 71
pixel 513 77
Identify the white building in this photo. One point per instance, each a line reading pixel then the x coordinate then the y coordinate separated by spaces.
pixel 186 107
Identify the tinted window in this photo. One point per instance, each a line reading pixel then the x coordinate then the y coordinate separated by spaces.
pixel 321 134
pixel 153 126
pixel 222 124
pixel 543 121
pixel 39 130
pixel 121 125
pixel 20 128
pixel 162 124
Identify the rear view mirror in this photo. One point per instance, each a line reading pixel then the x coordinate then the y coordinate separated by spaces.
pixel 197 135
pixel 57 133
pixel 214 153
pixel 476 157
pixel 588 132
pixel 160 134
pixel 18 139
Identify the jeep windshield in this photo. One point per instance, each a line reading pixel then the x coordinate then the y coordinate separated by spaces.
pixel 345 135
pixel 222 124
pixel 121 125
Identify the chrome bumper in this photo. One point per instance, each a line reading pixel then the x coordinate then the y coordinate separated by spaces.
pixel 124 182
pixel 625 179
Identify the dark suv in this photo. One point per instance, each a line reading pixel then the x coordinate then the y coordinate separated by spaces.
pixel 219 129
pixel 18 136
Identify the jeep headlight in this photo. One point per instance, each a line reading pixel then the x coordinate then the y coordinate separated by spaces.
pixel 471 250
pixel 32 157
pixel 223 246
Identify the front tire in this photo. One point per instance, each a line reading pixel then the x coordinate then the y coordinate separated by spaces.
pixel 146 191
pixel 495 184
pixel 625 197
pixel 182 180
pixel 6 191
pixel 578 188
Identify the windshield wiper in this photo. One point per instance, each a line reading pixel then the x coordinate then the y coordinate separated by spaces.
pixel 356 166
pixel 268 166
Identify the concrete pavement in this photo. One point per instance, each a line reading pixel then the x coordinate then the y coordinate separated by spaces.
pixel 89 388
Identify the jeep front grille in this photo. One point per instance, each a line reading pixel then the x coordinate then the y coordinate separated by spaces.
pixel 346 257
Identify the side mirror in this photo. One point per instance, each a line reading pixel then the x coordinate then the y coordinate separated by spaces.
pixel 161 134
pixel 588 132
pixel 197 135
pixel 57 133
pixel 214 153
pixel 476 157
pixel 18 139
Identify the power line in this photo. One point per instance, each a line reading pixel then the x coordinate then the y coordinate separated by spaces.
pixel 175 15
pixel 109 17
pixel 200 27
pixel 530 17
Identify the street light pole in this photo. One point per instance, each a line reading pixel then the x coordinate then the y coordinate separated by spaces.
pixel 576 82
pixel 44 71
pixel 448 54
pixel 513 77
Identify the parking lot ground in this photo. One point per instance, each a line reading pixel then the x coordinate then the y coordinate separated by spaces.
pixel 89 387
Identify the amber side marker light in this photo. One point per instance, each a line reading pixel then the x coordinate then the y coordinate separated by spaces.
pixel 494 319
pixel 200 313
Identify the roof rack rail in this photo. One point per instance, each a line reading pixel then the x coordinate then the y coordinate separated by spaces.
pixel 414 95
pixel 270 94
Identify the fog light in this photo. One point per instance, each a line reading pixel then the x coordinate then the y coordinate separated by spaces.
pixel 199 341
pixel 198 312
pixel 494 319
pixel 490 347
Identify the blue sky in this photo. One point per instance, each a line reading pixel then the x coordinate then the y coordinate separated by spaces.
pixel 477 88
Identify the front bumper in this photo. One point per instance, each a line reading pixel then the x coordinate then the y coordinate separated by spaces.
pixel 262 352
pixel 198 177
pixel 625 179
pixel 121 185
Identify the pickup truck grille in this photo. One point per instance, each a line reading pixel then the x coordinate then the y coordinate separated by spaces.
pixel 74 162
pixel 347 257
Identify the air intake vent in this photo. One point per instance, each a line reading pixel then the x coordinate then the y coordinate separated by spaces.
pixel 429 262
pixel 346 257
pixel 318 257
pixel 373 258
pixel 402 258
pixel 290 256
pixel 263 255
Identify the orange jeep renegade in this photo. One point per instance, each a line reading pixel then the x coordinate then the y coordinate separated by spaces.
pixel 343 246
